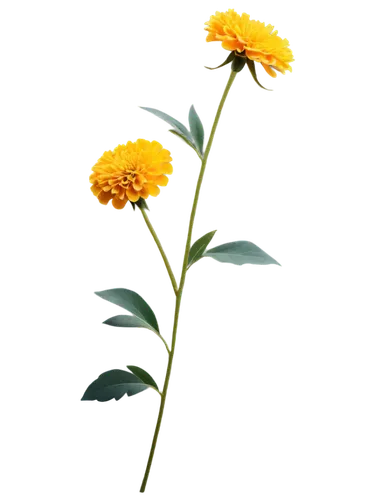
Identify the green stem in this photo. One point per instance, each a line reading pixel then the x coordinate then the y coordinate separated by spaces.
pixel 161 250
pixel 200 178
pixel 182 280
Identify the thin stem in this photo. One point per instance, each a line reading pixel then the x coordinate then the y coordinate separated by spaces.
pixel 161 250
pixel 200 178
pixel 163 395
pixel 182 281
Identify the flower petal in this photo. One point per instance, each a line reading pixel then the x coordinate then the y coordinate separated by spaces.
pixel 137 187
pixel 161 180
pixel 96 189
pixel 121 193
pixel 144 193
pixel 118 203
pixel 132 194
pixel 152 189
pixel 104 197
pixel 269 70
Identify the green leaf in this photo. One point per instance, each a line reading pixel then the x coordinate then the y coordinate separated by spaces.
pixel 133 303
pixel 239 253
pixel 126 321
pixel 144 376
pixel 251 66
pixel 114 384
pixel 225 62
pixel 191 144
pixel 175 123
pixel 196 129
pixel 197 250
pixel 130 321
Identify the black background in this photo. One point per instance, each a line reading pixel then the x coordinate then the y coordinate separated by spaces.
pixel 238 422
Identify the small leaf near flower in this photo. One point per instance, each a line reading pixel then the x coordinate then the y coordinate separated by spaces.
pixel 141 203
pixel 178 126
pixel 223 64
pixel 191 144
pixel 238 63
pixel 239 253
pixel 196 129
pixel 251 67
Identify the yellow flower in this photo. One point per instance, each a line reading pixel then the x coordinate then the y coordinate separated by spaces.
pixel 257 41
pixel 130 172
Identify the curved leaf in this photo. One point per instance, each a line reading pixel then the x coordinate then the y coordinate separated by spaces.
pixel 144 376
pixel 172 121
pixel 130 321
pixel 225 62
pixel 114 384
pixel 239 253
pixel 196 129
pixel 133 303
pixel 197 250
pixel 126 321
pixel 251 66
pixel 189 143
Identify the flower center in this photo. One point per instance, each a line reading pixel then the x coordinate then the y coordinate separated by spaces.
pixel 127 178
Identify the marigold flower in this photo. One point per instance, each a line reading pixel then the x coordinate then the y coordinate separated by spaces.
pixel 252 38
pixel 130 172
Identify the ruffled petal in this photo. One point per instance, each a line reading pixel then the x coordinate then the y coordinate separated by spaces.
pixel 104 197
pixel 118 203
pixel 161 180
pixel 269 70
pixel 132 194
pixel 144 193
pixel 152 189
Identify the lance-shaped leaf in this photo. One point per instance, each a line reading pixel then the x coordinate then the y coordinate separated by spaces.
pixel 196 129
pixel 126 321
pixel 239 253
pixel 178 126
pixel 191 144
pixel 133 303
pixel 130 321
pixel 115 384
pixel 227 61
pixel 143 375
pixel 251 66
pixel 197 250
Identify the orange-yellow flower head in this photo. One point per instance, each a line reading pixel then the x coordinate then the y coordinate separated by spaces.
pixel 130 172
pixel 253 38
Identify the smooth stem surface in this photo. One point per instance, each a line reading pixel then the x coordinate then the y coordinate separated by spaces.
pixel 182 280
pixel 200 178
pixel 161 250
